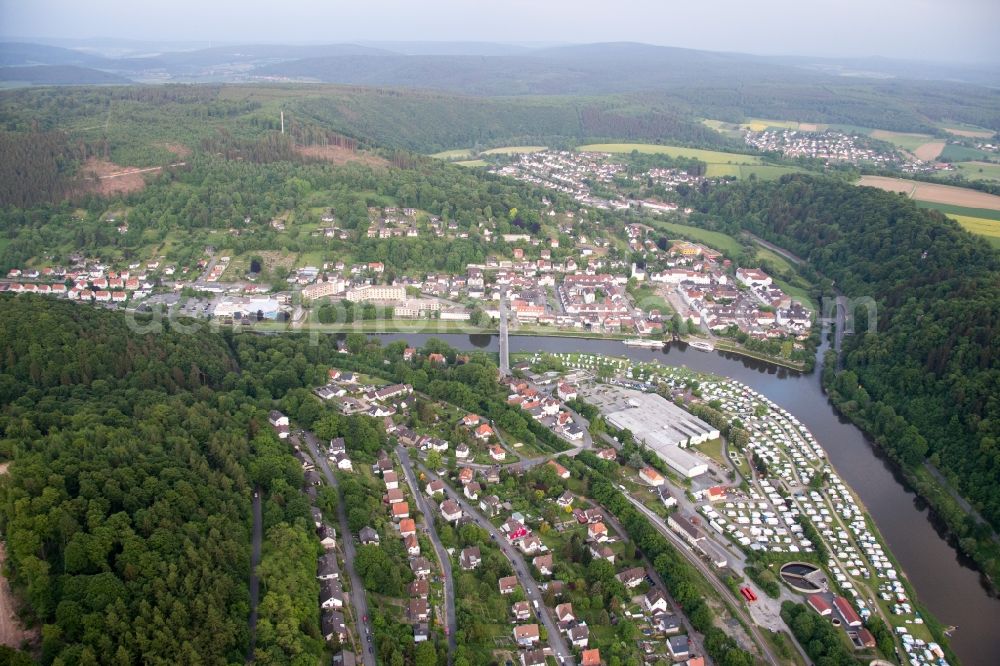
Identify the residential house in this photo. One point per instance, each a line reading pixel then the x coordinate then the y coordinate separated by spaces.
pixel 466 475
pixel 561 471
pixel 632 577
pixel 418 610
pixel 395 495
pixel 472 489
pixel 651 476
pixel 412 545
pixel 407 527
pixel 484 432
pixel 530 544
pixel 490 505
pixel 590 657
pixel 543 563
pixel 400 510
pixel 391 480
pixel 419 588
pixel 508 584
pixel 679 647
pixel 564 613
pixel 462 451
pixel 368 536
pixel 579 636
pixel 450 510
pixel 521 611
pixel 497 453
pixel 655 601
pixel 565 500
pixel 597 532
pixel 470 558
pixel 421 567
pixel 332 624
pixel 526 635
pixel 331 594
pixel 327 537
pixel 533 658
pixel 327 567
pixel 421 632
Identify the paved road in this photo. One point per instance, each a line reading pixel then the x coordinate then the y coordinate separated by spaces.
pixel 556 640
pixel 442 554
pixel 708 574
pixel 258 534
pixel 358 599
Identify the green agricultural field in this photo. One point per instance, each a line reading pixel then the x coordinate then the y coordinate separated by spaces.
pixel 979 170
pixel 766 171
pixel 472 163
pixel 723 170
pixel 948 209
pixel 514 150
pixel 989 229
pixel 955 153
pixel 713 239
pixel 458 153
pixel 904 140
pixel 708 156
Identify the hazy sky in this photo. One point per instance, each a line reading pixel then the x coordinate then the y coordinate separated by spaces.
pixel 917 29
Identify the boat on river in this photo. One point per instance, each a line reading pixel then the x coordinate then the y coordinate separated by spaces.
pixel 639 342
pixel 702 345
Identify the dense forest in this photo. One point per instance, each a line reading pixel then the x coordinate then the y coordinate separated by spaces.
pixel 127 510
pixel 925 382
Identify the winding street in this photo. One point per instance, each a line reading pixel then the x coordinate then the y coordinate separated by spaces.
pixel 358 599
pixel 442 554
pixel 556 640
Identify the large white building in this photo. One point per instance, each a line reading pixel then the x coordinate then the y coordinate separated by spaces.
pixel 323 289
pixel 377 292
pixel 665 428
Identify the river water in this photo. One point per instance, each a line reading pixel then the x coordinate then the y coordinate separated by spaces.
pixel 944 580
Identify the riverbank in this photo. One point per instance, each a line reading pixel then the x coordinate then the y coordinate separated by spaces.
pixel 436 327
pixel 731 347
pixel 950 515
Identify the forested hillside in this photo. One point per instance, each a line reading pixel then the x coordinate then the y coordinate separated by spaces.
pixel 926 384
pixel 126 511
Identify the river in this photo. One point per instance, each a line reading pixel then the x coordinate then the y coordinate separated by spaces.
pixel 944 579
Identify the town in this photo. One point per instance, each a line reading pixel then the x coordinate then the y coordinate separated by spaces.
pixel 755 508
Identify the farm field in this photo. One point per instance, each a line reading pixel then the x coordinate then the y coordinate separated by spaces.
pixel 743 171
pixel 990 229
pixel 453 154
pixel 933 192
pixel 472 163
pixel 905 140
pixel 954 153
pixel 979 170
pixel 514 150
pixel 930 150
pixel 969 131
pixel 761 124
pixel 709 156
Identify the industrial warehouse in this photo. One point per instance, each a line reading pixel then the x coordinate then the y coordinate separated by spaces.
pixel 656 422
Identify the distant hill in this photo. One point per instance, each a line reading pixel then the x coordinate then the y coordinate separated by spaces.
pixel 21 53
pixel 59 75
